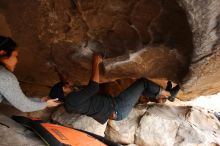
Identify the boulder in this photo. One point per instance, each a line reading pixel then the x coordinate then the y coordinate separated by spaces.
pixel 146 38
pixel 152 124
pixel 14 134
pixel 124 131
pixel 78 121
pixel 164 125
pixel 204 70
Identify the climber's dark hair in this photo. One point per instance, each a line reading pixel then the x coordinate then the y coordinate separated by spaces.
pixel 7 45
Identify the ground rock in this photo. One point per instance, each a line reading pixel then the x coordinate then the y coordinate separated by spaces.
pixel 124 131
pixel 13 134
pixel 163 125
pixel 78 121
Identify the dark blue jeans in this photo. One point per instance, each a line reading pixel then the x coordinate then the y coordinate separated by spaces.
pixel 126 100
pixel 82 100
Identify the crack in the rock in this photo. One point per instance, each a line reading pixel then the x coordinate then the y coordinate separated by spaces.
pixel 78 6
pixel 133 26
pixel 201 58
pixel 129 19
pixel 74 4
pixel 3 124
pixel 150 26
pixel 139 35
pixel 132 10
pixel 153 22
pixel 187 114
pixel 177 134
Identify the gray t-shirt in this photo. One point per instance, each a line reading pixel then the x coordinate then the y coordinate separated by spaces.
pixel 10 90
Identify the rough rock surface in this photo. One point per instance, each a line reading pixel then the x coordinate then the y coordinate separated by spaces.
pixel 13 134
pixel 161 39
pixel 144 38
pixel 166 126
pixel 204 19
pixel 139 38
pixel 78 121
pixel 174 40
pixel 155 124
pixel 124 131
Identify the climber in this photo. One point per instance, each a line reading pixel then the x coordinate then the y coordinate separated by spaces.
pixel 9 86
pixel 101 108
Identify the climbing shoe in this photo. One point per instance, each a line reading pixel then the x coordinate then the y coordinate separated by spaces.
pixel 174 91
pixel 169 86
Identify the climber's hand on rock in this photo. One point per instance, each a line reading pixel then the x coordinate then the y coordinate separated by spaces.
pixel 97 58
pixel 53 102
